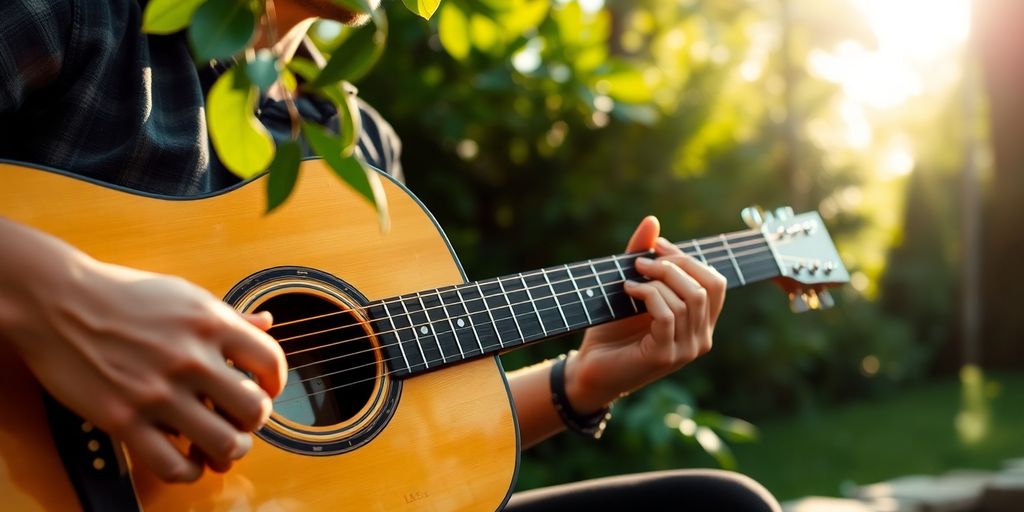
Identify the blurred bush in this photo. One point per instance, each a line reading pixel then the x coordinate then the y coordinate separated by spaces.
pixel 541 132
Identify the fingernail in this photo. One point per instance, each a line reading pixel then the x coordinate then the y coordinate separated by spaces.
pixel 629 283
pixel 665 244
pixel 643 260
pixel 242 448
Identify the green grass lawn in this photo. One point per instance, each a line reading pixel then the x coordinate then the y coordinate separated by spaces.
pixel 910 432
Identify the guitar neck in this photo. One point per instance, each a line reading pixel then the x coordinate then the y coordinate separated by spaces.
pixel 431 329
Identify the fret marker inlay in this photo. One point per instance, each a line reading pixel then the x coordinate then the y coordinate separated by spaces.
pixel 461 322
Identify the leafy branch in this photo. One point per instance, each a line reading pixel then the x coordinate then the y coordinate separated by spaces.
pixel 227 30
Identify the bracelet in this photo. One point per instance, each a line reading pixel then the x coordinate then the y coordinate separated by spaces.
pixel 591 426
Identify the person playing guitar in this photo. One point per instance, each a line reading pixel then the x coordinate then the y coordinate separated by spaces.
pixel 144 356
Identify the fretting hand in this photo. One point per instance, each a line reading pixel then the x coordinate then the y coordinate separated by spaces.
pixel 683 298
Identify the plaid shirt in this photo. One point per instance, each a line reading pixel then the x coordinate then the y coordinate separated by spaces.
pixel 84 91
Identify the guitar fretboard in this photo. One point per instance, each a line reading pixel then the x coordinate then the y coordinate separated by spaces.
pixel 432 329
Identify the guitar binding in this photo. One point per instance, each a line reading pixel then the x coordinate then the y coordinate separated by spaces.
pixel 339 394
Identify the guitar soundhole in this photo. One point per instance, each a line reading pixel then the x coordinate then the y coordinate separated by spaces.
pixel 332 364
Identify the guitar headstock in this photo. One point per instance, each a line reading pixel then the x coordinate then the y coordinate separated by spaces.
pixel 804 252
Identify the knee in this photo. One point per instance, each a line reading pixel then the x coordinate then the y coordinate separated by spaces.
pixel 726 490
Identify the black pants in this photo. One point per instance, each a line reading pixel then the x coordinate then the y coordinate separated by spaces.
pixel 685 490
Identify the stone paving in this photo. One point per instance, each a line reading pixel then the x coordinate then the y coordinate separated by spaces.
pixel 955 491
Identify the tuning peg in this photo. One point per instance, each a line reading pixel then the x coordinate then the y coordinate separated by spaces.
pixel 784 213
pixel 826 300
pixel 751 216
pixel 797 303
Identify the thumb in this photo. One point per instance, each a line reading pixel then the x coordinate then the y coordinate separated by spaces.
pixel 645 235
pixel 262 320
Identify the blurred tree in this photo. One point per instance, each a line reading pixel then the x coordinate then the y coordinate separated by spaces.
pixel 1001 46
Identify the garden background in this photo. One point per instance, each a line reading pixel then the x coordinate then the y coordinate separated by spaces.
pixel 540 132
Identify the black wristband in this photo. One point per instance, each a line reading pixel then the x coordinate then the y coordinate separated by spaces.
pixel 591 426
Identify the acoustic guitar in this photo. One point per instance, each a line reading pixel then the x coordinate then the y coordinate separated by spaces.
pixel 396 398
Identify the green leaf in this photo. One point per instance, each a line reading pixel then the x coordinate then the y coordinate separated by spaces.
pixel 263 70
pixel 713 445
pixel 485 33
pixel 626 84
pixel 288 80
pixel 284 172
pixel 732 429
pixel 526 17
pixel 354 57
pixel 424 8
pixel 168 16
pixel 351 169
pixel 220 29
pixel 304 67
pixel 350 122
pixel 242 143
pixel 453 30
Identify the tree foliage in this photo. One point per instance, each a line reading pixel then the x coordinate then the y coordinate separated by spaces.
pixel 225 30
pixel 540 133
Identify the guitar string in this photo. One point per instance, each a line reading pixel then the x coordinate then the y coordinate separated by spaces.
pixel 463 303
pixel 526 288
pixel 455 335
pixel 483 297
pixel 386 373
pixel 454 332
pixel 708 240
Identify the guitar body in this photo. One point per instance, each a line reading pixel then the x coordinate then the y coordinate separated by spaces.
pixel 444 440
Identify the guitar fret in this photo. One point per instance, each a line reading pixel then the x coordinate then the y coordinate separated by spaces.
pixel 600 287
pixel 700 254
pixel 388 316
pixel 457 315
pixel 618 267
pixel 529 295
pixel 718 258
pixel 611 283
pixel 412 327
pixel 545 303
pixel 481 319
pixel 554 295
pixel 455 334
pixel 470 321
pixel 733 258
pixel 579 293
pixel 511 310
pixel 430 328
pixel 483 299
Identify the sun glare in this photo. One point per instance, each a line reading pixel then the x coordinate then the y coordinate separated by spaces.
pixel 918 30
pixel 916 50
pixel 916 46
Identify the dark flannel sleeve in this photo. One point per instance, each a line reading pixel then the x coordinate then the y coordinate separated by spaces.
pixel 34 35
